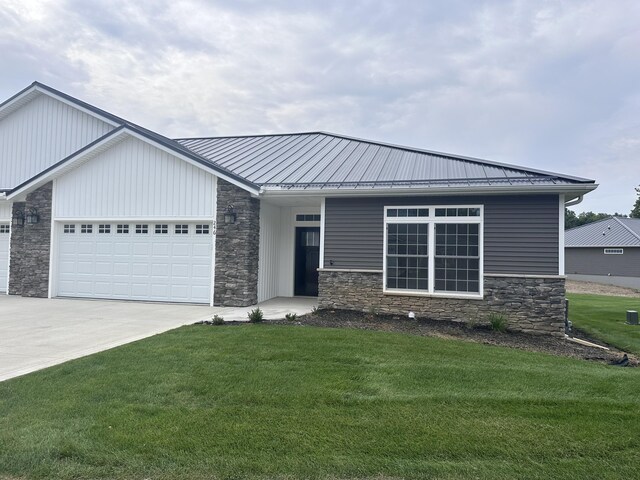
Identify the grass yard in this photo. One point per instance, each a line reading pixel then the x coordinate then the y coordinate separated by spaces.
pixel 261 401
pixel 604 317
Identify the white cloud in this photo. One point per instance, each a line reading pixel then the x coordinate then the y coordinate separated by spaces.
pixel 548 84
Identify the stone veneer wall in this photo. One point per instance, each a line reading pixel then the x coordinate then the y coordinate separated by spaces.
pixel 530 304
pixel 30 247
pixel 237 248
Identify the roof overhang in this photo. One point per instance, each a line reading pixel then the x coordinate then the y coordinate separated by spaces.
pixel 570 191
pixel 104 143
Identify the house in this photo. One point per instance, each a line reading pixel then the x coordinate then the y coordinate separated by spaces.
pixel 606 251
pixel 94 206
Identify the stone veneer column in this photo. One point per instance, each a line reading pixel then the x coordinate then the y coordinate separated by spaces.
pixel 533 304
pixel 237 248
pixel 30 247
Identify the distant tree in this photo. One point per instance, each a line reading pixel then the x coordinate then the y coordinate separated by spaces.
pixel 571 220
pixel 635 213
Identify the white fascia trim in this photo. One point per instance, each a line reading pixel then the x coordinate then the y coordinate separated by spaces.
pixel 392 192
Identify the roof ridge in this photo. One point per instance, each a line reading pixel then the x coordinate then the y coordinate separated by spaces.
pixel 626 228
pixel 250 136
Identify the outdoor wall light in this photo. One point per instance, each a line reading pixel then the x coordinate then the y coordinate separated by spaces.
pixel 33 217
pixel 18 217
pixel 230 215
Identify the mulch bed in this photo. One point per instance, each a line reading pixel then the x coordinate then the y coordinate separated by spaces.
pixel 455 330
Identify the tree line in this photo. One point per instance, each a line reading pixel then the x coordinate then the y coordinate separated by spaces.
pixel 571 220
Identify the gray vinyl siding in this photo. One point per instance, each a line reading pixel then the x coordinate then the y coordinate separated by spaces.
pixel 593 261
pixel 520 232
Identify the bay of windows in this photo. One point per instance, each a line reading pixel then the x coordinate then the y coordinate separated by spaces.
pixel 433 250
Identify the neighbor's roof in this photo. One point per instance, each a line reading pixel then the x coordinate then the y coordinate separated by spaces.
pixel 610 232
pixel 320 160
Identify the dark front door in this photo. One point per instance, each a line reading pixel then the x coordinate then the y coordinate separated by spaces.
pixel 307 260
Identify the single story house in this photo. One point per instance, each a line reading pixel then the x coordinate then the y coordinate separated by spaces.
pixel 94 206
pixel 607 251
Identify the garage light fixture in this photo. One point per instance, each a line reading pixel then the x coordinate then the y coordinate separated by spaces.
pixel 18 217
pixel 33 217
pixel 230 215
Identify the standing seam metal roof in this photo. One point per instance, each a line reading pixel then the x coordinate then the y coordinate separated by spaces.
pixel 326 160
pixel 610 232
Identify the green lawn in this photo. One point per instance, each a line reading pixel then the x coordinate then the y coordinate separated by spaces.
pixel 604 318
pixel 263 401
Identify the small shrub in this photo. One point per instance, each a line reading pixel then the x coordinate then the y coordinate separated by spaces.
pixel 315 310
pixel 217 320
pixel 498 322
pixel 256 315
pixel 291 317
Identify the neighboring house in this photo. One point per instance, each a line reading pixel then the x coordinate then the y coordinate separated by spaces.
pixel 94 206
pixel 606 251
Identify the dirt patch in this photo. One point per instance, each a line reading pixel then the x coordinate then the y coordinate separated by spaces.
pixel 455 330
pixel 574 286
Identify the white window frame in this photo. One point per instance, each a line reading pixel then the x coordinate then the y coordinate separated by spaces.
pixel 614 251
pixel 431 220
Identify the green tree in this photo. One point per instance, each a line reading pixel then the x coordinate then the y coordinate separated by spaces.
pixel 635 213
pixel 571 220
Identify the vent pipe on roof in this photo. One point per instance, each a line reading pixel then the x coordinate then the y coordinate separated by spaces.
pixel 573 202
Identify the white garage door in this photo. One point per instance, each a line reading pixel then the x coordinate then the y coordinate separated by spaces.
pixel 4 256
pixel 135 261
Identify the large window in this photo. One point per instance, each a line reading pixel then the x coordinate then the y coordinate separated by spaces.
pixel 434 250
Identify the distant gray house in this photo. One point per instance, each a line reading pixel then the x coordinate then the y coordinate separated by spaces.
pixel 607 250
pixel 94 206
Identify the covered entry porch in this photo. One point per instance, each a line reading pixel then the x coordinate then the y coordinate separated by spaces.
pixel 290 251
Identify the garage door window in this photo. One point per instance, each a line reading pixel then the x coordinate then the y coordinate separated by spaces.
pixel 182 229
pixel 69 228
pixel 86 228
pixel 142 228
pixel 162 228
pixel 122 228
pixel 202 229
pixel 104 228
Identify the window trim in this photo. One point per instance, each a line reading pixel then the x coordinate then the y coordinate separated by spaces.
pixel 431 220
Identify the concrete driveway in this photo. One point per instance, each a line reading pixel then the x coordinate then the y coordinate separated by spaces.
pixel 36 332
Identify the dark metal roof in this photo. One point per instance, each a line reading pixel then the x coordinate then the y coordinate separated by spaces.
pixel 610 232
pixel 321 160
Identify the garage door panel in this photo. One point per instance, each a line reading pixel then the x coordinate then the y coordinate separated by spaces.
pixel 163 266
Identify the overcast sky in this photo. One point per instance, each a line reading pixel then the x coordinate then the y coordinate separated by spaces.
pixel 547 84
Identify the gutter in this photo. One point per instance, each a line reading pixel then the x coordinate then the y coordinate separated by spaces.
pixel 376 192
pixel 573 202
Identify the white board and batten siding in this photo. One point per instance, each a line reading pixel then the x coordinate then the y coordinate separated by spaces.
pixel 135 180
pixel 5 228
pixel 277 249
pixel 134 183
pixel 40 134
